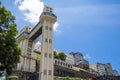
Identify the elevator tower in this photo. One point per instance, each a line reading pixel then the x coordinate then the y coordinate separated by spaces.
pixel 47 20
pixel 27 38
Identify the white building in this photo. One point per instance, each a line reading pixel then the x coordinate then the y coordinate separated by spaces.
pixel 104 69
pixel 115 73
pixel 77 57
pixel 101 69
pixel 26 40
pixel 70 59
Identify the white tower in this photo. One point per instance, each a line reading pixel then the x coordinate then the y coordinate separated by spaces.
pixel 47 19
pixel 27 38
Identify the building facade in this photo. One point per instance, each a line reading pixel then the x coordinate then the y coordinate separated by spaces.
pixel 108 68
pixel 115 73
pixel 99 67
pixel 70 59
pixel 28 58
pixel 94 72
pixel 106 77
pixel 77 57
pixel 104 69
pixel 27 39
pixel 79 61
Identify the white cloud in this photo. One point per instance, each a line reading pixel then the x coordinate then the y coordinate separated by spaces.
pixel 32 10
pixel 87 56
pixel 37 47
pixel 17 1
pixel 56 28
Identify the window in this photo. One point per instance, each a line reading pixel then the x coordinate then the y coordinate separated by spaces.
pixel 50 41
pixel 46 40
pixel 30 43
pixel 58 62
pixel 50 28
pixel 47 10
pixel 51 11
pixel 49 72
pixel 45 72
pixel 63 64
pixel 50 55
pixel 66 65
pixel 46 27
pixel 55 62
pixel 50 8
pixel 45 54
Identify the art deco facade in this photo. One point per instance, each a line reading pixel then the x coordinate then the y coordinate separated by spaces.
pixel 27 39
pixel 79 61
pixel 28 57
pixel 115 73
pixel 104 69
pixel 70 59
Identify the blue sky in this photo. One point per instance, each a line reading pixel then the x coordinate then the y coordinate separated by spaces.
pixel 91 27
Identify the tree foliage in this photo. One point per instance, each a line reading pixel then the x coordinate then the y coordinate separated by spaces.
pixel 56 55
pixel 71 78
pixel 60 55
pixel 9 50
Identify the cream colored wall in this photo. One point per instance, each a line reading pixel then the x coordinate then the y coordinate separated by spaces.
pixel 27 61
pixel 94 66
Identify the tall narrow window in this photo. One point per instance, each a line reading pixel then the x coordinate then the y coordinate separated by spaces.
pixel 46 40
pixel 49 72
pixel 50 41
pixel 50 28
pixel 45 54
pixel 45 72
pixel 46 27
pixel 50 55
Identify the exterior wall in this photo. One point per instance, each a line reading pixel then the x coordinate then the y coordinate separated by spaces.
pixel 83 64
pixel 94 72
pixel 33 65
pixel 27 39
pixel 108 68
pixel 94 67
pixel 79 61
pixel 62 63
pixel 70 59
pixel 106 77
pixel 47 19
pixel 115 73
pixel 28 58
pixel 101 69
pixel 77 57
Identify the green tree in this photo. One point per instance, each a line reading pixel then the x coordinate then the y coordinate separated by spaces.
pixel 62 56
pixel 9 50
pixel 56 55
pixel 71 78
